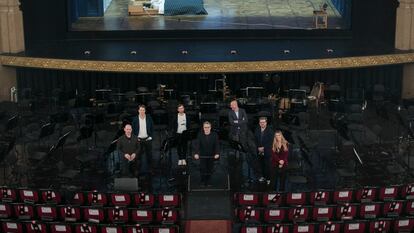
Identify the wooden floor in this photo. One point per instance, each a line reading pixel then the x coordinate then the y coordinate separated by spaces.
pixel 222 14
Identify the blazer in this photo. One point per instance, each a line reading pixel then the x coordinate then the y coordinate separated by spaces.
pixel 207 145
pixel 241 125
pixel 174 124
pixel 265 140
pixel 150 125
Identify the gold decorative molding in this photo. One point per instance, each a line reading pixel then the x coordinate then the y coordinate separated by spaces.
pixel 206 67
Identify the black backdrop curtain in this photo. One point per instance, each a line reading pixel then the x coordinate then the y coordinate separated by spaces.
pixel 44 81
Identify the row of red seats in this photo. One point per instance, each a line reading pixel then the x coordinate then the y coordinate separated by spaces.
pixel 403 224
pixel 345 211
pixel 41 227
pixel 90 198
pixel 367 194
pixel 166 215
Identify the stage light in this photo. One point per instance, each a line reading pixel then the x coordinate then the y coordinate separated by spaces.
pixel 184 52
pixel 329 50
pixel 87 52
pixel 286 51
pixel 233 52
pixel 133 52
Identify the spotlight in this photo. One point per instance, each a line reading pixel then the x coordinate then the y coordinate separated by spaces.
pixel 329 50
pixel 87 52
pixel 133 52
pixel 286 51
pixel 184 52
pixel 233 52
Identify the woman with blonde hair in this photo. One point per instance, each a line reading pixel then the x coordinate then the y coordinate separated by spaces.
pixel 280 153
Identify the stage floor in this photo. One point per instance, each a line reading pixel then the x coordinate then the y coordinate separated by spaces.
pixel 222 14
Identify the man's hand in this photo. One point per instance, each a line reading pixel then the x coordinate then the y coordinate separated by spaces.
pixel 196 157
pixel 260 149
pixel 281 163
pixel 216 156
pixel 133 156
pixel 128 157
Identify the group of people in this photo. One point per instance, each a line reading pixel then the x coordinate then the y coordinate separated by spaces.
pixel 272 149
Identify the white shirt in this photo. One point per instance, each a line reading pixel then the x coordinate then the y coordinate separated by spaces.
pixel 142 133
pixel 181 121
pixel 237 114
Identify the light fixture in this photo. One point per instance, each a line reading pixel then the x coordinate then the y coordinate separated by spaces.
pixel 286 51
pixel 87 52
pixel 329 50
pixel 184 52
pixel 133 52
pixel 233 52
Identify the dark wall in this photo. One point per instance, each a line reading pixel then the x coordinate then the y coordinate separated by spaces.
pixel 374 20
pixel 44 20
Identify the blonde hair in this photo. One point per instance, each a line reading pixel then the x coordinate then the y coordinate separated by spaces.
pixel 276 146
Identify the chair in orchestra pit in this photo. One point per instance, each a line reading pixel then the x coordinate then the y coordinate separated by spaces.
pixel 334 98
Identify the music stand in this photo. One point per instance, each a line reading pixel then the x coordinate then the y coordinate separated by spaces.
pixel 12 122
pixel 60 143
pixel 165 148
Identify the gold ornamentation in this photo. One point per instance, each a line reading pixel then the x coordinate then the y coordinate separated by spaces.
pixel 207 67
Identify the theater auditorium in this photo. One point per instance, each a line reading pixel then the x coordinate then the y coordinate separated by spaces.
pixel 205 116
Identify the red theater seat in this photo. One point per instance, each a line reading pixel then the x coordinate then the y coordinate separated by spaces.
pixel 355 227
pixel 29 195
pixel 6 210
pixel 407 191
pixel 367 194
pixel 96 198
pixel 70 213
pixel 78 198
pixel 369 210
pixel 36 227
pixel 169 200
pixel 321 197
pixel 379 225
pixel 46 212
pixel 403 224
pixel 167 216
pixel 273 199
pixel 273 215
pixel 409 207
pixel 343 196
pixel 144 200
pixel 296 198
pixel 24 211
pixel 118 214
pixel 346 211
pixel 137 229
pixel 142 216
pixel 120 199
pixel 60 228
pixel 304 227
pixel 86 228
pixel 393 208
pixel 251 229
pixel 8 194
pixel 298 214
pixel 247 199
pixel 12 227
pixel 111 229
pixel 165 229
pixel 330 227
pixel 277 228
pixel 388 193
pixel 93 214
pixel 323 213
pixel 248 214
pixel 50 196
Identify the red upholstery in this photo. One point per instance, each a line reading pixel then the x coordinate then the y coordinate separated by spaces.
pixel 247 199
pixel 117 214
pixel 320 197
pixel 46 212
pixel 323 213
pixel 272 215
pixel 273 199
pixel 120 199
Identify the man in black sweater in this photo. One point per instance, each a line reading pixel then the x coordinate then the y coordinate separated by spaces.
pixel 128 146
pixel 264 139
pixel 206 150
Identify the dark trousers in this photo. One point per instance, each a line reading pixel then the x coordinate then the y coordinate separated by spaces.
pixel 146 147
pixel 206 169
pixel 181 146
pixel 265 165
pixel 278 177
pixel 127 168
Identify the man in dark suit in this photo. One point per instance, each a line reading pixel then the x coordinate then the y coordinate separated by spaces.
pixel 180 123
pixel 264 139
pixel 143 127
pixel 238 123
pixel 206 149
